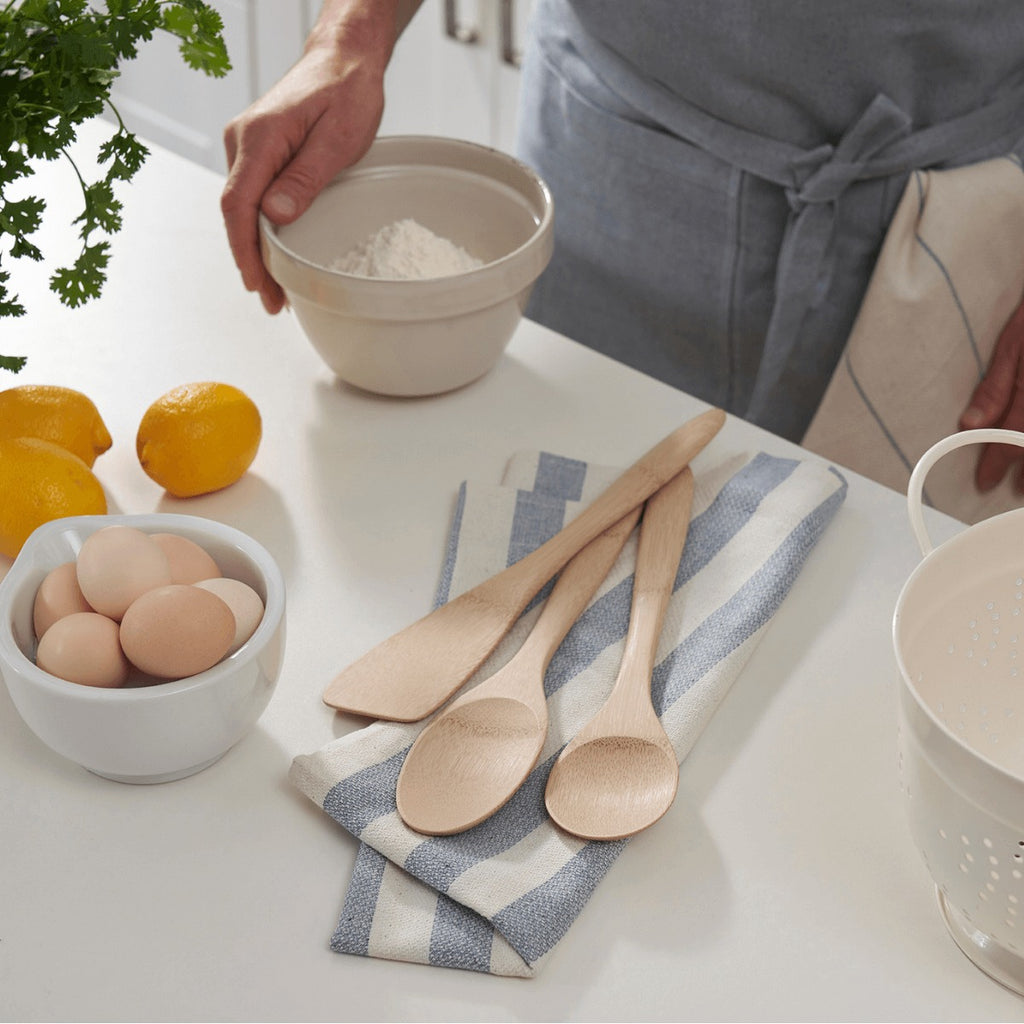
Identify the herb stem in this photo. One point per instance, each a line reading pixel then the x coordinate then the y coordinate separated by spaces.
pixel 81 180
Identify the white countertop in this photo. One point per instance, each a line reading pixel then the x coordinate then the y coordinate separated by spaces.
pixel 782 884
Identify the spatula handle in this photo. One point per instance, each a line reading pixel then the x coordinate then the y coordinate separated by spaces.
pixel 665 460
pixel 576 585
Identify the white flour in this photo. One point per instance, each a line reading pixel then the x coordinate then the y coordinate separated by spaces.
pixel 406 250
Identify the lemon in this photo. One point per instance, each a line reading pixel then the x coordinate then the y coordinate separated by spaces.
pixel 40 481
pixel 61 415
pixel 198 438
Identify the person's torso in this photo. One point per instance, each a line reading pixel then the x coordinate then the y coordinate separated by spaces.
pixel 808 68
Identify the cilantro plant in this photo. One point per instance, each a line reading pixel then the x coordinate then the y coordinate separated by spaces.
pixel 58 62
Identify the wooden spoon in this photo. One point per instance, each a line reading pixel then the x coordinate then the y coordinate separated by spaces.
pixel 412 673
pixel 619 774
pixel 470 760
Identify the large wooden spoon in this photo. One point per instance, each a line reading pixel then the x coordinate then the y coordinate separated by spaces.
pixel 412 673
pixel 469 761
pixel 619 774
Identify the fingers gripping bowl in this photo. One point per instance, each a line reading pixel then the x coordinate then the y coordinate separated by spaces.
pixel 420 336
pixel 153 733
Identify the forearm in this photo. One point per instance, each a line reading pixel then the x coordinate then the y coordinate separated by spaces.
pixel 370 27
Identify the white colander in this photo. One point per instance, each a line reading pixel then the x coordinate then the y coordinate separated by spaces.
pixel 958 633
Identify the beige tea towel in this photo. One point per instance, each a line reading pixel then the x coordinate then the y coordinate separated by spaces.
pixel 949 276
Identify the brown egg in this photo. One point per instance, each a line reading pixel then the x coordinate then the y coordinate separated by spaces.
pixel 84 648
pixel 244 602
pixel 58 595
pixel 189 562
pixel 177 630
pixel 116 565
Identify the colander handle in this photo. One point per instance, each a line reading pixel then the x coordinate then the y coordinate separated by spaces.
pixel 915 488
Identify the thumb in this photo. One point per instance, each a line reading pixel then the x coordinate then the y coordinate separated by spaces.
pixel 304 177
pixel 282 205
pixel 291 194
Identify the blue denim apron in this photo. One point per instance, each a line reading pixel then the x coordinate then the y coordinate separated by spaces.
pixel 726 262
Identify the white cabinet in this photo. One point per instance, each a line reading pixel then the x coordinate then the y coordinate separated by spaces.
pixel 453 73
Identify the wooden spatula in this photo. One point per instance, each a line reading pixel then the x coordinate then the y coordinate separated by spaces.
pixel 413 672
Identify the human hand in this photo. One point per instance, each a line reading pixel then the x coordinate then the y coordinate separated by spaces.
pixel 998 401
pixel 281 151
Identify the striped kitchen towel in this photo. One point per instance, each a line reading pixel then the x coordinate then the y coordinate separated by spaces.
pixel 949 275
pixel 498 897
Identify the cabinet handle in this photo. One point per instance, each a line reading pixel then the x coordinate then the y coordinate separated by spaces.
pixel 509 54
pixel 453 29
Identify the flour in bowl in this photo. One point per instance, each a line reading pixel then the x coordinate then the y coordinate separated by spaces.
pixel 406 250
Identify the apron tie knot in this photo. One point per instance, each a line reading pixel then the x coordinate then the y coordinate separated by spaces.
pixel 818 178
pixel 821 175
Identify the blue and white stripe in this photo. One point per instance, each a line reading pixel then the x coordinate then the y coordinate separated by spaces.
pixel 498 897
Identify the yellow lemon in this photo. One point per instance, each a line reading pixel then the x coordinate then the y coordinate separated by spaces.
pixel 199 438
pixel 61 415
pixel 40 481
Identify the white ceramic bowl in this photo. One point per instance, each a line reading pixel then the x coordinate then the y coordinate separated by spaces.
pixel 148 733
pixel 416 337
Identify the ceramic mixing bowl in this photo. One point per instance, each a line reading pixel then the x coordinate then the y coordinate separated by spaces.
pixel 153 733
pixel 416 336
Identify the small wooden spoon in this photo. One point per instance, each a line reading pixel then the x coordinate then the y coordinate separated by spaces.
pixel 619 774
pixel 415 671
pixel 470 760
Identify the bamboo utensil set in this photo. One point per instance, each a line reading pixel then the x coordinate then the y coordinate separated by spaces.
pixel 620 774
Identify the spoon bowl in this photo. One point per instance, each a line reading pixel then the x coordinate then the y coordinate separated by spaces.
pixel 474 755
pixel 467 762
pixel 619 775
pixel 614 786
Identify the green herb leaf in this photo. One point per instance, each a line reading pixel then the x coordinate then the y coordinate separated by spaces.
pixel 22 216
pixel 58 62
pixel 85 279
pixel 101 211
pixel 200 29
pixel 8 305
pixel 127 154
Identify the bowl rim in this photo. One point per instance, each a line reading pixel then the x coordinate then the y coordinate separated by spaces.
pixel 898 625
pixel 273 613
pixel 544 226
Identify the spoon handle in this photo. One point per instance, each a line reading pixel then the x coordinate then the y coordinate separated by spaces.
pixel 662 539
pixel 576 585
